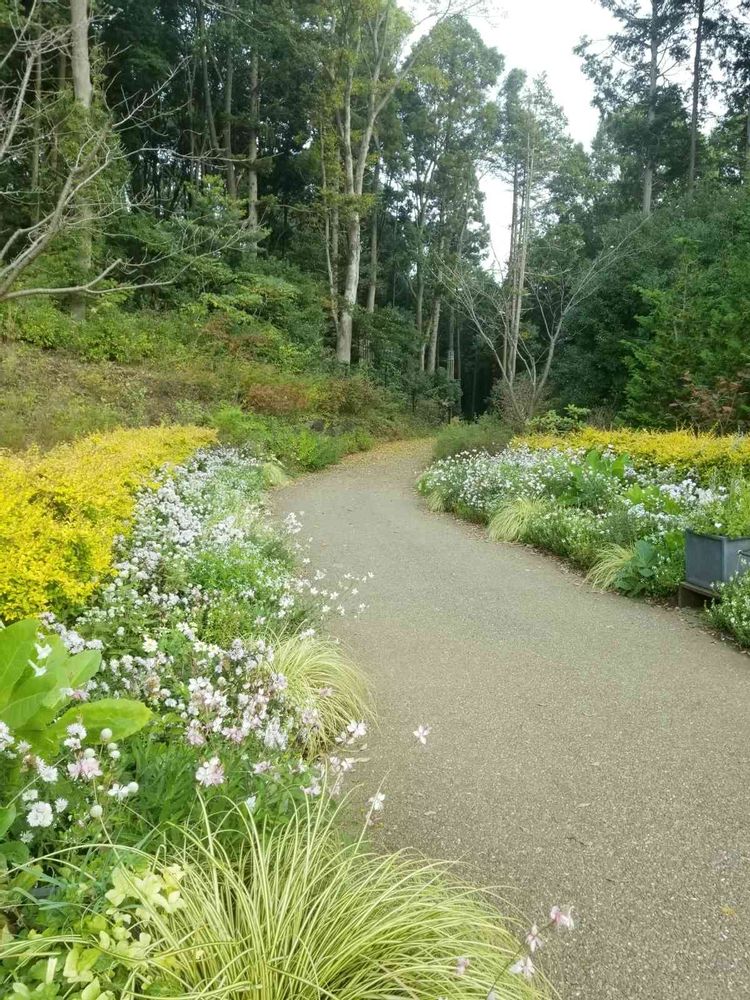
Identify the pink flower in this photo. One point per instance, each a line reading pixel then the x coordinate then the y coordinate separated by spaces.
pixel 523 967
pixel 533 940
pixel 560 917
pixel 210 772
pixel 87 768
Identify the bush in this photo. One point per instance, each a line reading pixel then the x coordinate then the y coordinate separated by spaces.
pixel 683 450
pixel 277 398
pixel 60 512
pixel 486 434
pixel 731 612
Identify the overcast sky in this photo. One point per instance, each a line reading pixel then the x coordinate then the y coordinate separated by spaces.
pixel 539 36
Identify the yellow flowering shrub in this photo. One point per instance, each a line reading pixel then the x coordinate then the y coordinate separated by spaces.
pixel 60 511
pixel 683 449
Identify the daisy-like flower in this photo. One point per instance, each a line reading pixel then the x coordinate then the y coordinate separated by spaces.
pixel 421 733
pixel 377 802
pixel 30 795
pixel 210 772
pixel 6 740
pixel 560 917
pixel 46 771
pixel 150 645
pixel 61 805
pixel 40 814
pixel 462 964
pixel 523 967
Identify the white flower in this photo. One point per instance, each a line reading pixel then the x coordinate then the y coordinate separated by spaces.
pixel 533 940
pixel 210 772
pixel 87 768
pixel 61 805
pixel 422 732
pixel 377 802
pixel 40 814
pixel 462 964
pixel 96 811
pixel 560 917
pixel 42 652
pixel 250 802
pixel 46 772
pixel 150 645
pixel 30 795
pixel 106 734
pixel 523 967
pixel 6 740
pixel 356 730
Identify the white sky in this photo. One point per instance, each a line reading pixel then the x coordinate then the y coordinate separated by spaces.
pixel 539 36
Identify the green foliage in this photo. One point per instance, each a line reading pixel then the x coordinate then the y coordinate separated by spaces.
pixel 294 910
pixel 728 513
pixel 571 419
pixel 36 675
pixel 486 434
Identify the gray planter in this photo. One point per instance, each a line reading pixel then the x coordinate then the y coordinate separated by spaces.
pixel 711 559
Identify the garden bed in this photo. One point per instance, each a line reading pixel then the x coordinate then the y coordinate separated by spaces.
pixel 622 522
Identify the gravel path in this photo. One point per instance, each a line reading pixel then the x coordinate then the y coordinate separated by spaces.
pixel 585 748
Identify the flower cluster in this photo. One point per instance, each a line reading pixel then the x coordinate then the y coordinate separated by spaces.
pixel 190 624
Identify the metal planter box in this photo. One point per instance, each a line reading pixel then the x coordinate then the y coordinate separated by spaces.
pixel 711 559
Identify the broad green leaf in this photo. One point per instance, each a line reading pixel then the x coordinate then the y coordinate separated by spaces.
pixel 14 852
pixel 16 647
pixel 7 815
pixel 122 715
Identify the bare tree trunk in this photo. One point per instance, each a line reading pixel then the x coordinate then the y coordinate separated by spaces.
pixel 83 93
pixel 252 152
pixel 62 71
pixel 419 314
pixel 648 174
pixel 747 147
pixel 351 285
pixel 434 329
pixel 37 131
pixel 697 67
pixel 451 365
pixel 228 87
pixel 372 286
pixel 207 101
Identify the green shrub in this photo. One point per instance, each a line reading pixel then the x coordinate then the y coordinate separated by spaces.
pixel 486 434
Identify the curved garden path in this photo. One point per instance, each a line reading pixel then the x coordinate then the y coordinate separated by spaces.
pixel 585 748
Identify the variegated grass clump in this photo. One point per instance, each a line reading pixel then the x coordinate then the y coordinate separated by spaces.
pixel 323 684
pixel 511 520
pixel 609 565
pixel 296 913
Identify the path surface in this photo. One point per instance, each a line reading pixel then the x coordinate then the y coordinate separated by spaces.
pixel 585 748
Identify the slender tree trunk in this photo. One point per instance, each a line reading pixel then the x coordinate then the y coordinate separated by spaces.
pixel 228 88
pixel 434 330
pixel 351 285
pixel 372 286
pixel 697 68
pixel 207 100
pixel 83 92
pixel 252 151
pixel 451 360
pixel 419 314
pixel 747 148
pixel 62 71
pixel 37 130
pixel 648 174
